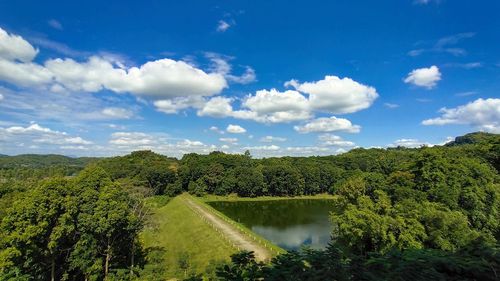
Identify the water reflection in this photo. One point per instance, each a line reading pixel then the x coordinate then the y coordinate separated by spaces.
pixel 287 223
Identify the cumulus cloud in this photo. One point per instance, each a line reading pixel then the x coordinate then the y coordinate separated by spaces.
pixel 173 106
pixel 336 95
pixel 235 129
pixel 15 48
pixel 275 106
pixel 334 140
pixel 325 124
pixel 331 94
pixel 424 77
pixel 482 114
pixel 217 107
pixel 272 139
pixel 159 79
pixel 25 74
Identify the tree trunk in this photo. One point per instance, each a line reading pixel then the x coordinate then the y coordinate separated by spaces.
pixel 53 269
pixel 106 265
pixel 132 259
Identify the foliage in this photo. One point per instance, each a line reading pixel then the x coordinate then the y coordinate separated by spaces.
pixel 478 261
pixel 78 227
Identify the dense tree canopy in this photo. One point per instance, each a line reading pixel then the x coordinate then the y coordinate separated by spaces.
pixel 78 227
pixel 436 208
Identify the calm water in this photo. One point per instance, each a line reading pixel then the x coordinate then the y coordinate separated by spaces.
pixel 287 223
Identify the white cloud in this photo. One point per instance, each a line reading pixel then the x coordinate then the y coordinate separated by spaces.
pixel 263 147
pixel 173 106
pixel 309 150
pixel 117 113
pixel 24 74
pixel 1 97
pixel 468 65
pixel 391 105
pixel 126 142
pixel 55 24
pixel 220 64
pixel 116 127
pixel 216 129
pixel 74 147
pixel 229 140
pixel 336 95
pixel 325 124
pixel 32 128
pixel 272 139
pixel 58 47
pixel 424 77
pixel 274 106
pixel 217 107
pixel 45 105
pixel 466 94
pixel 35 136
pixel 159 79
pixel 410 143
pixel 77 140
pixel 235 129
pixel 131 139
pixel 14 47
pixel 414 143
pixel 247 77
pixel 222 26
pixel 334 140
pixel 482 114
pixel 445 44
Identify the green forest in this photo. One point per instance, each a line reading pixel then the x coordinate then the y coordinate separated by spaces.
pixel 429 213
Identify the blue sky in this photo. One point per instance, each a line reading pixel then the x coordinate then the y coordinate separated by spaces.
pixel 274 77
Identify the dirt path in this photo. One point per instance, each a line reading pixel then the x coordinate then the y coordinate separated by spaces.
pixel 239 239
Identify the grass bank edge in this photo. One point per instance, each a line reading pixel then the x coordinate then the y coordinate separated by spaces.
pixel 274 249
pixel 235 198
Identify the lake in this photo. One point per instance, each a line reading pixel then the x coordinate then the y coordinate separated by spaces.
pixel 289 224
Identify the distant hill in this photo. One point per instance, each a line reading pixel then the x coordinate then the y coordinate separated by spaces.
pixel 38 160
pixel 476 138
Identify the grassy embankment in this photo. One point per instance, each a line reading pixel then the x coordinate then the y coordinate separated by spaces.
pixel 233 197
pixel 183 235
pixel 190 245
